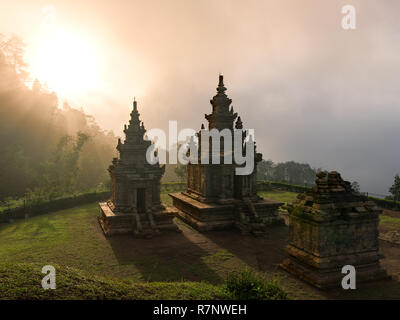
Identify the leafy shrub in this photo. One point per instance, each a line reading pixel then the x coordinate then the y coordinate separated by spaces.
pixel 248 285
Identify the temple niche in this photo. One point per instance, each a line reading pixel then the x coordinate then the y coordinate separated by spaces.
pixel 135 206
pixel 332 226
pixel 217 198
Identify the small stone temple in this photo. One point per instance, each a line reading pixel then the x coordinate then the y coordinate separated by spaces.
pixel 217 198
pixel 329 227
pixel 135 205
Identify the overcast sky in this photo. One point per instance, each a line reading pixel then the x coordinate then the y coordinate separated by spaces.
pixel 312 91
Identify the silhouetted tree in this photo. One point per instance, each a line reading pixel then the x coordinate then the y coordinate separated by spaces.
pixel 44 148
pixel 289 172
pixel 265 170
pixel 395 188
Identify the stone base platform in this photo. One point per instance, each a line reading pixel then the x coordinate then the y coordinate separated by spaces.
pixel 326 273
pixel 138 224
pixel 251 217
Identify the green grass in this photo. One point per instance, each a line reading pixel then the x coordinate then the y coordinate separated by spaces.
pixel 13 203
pixel 67 237
pixel 72 238
pixel 282 196
pixel 23 281
pixel 249 285
pixel 166 199
pixel 390 223
pixel 89 266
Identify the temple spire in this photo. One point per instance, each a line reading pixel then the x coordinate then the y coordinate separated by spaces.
pixel 134 104
pixel 221 88
pixel 135 130
pixel 222 116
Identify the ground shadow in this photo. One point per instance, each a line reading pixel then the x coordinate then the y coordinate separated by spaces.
pixel 183 256
pixel 385 290
pixel 262 253
pixel 166 257
pixel 266 253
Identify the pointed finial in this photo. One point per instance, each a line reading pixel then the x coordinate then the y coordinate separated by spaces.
pixel 202 126
pixel 239 123
pixel 134 104
pixel 221 88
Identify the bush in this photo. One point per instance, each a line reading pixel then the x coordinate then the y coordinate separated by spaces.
pixel 248 285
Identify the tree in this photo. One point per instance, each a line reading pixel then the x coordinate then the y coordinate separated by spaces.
pixel 288 172
pixel 265 170
pixel 294 173
pixel 32 128
pixel 12 56
pixel 59 175
pixel 395 188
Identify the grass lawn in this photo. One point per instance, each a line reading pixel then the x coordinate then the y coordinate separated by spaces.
pixel 71 237
pixel 91 266
pixel 282 196
pixel 66 237
pixel 188 265
pixel 390 223
pixel 23 281
pixel 166 199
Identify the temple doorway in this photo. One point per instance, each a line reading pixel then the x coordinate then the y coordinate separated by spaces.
pixel 141 200
pixel 237 186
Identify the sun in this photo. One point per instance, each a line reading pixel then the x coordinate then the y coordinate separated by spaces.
pixel 65 62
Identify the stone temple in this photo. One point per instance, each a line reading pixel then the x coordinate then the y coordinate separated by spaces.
pixel 217 198
pixel 329 227
pixel 135 205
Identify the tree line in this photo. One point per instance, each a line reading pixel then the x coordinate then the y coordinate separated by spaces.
pixel 46 150
pixel 289 172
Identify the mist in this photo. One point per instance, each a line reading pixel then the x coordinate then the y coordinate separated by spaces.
pixel 312 91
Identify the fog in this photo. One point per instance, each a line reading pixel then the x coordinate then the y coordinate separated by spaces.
pixel 312 91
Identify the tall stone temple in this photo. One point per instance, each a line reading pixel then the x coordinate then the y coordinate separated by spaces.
pixel 217 198
pixel 135 205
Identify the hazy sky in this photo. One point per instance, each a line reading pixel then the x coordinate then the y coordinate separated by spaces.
pixel 312 91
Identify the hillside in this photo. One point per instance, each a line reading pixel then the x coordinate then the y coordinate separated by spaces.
pixel 23 281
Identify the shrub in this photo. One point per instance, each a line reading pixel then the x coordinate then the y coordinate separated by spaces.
pixel 248 285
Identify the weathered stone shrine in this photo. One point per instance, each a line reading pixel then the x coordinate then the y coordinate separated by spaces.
pixel 329 227
pixel 135 205
pixel 217 198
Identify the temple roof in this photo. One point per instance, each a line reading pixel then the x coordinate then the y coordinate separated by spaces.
pixel 135 130
pixel 221 117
